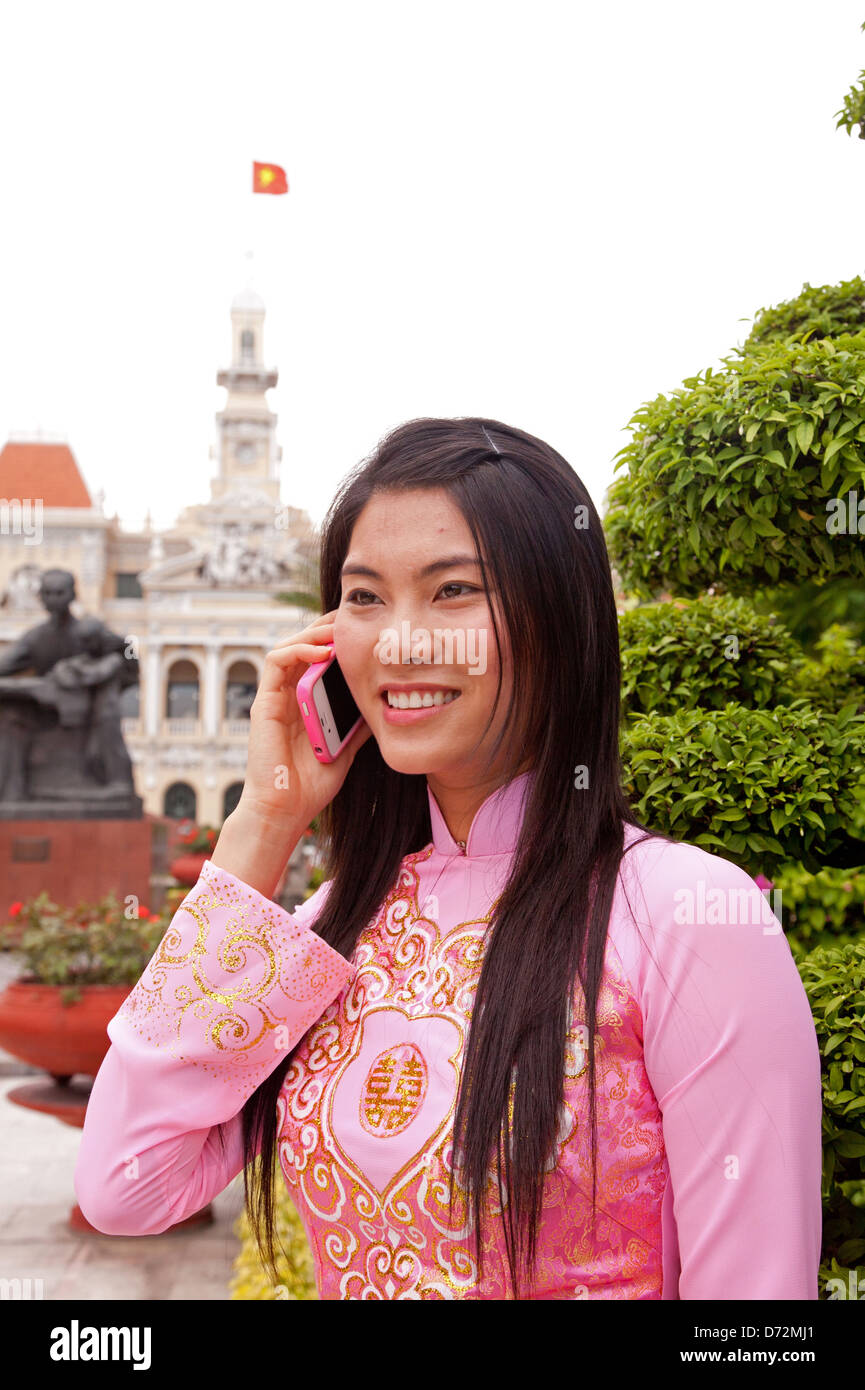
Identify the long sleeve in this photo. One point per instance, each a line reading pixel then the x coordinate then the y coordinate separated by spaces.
pixel 732 1056
pixel 233 986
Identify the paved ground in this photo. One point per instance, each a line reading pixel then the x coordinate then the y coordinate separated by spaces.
pixel 37 1163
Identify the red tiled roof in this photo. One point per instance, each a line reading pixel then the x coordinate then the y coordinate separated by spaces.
pixel 48 471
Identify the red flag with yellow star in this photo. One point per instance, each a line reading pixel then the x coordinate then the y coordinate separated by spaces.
pixel 268 178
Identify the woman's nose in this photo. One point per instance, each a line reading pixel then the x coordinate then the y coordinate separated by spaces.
pixel 396 643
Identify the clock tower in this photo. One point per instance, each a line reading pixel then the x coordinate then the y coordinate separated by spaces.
pixel 246 451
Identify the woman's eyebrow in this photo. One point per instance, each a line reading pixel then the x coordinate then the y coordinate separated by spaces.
pixel 448 563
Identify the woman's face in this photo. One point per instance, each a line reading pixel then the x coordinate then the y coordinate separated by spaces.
pixel 390 611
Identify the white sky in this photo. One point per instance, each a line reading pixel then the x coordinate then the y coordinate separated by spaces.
pixel 546 213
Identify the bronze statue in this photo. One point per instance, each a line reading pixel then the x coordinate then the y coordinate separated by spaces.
pixel 60 732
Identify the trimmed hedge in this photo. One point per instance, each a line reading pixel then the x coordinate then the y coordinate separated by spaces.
pixel 822 909
pixel 762 787
pixel 680 654
pixel 835 676
pixel 824 311
pixel 834 981
pixel 730 478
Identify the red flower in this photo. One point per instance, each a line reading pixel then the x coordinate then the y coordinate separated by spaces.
pixel 144 912
pixel 15 909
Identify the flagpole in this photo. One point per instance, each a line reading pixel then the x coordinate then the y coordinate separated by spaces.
pixel 249 237
pixel 261 224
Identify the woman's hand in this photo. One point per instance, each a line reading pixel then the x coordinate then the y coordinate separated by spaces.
pixel 283 776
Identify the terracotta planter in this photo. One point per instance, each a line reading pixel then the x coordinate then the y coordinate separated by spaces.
pixel 62 1039
pixel 187 868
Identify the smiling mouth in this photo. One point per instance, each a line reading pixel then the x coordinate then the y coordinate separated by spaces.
pixel 417 699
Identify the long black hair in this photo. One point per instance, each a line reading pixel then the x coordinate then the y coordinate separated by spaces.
pixel 542 552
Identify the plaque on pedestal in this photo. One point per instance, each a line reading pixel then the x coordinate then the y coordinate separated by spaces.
pixel 74 861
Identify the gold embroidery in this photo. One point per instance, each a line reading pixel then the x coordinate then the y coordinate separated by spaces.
pixel 394 1091
pixel 265 961
pixel 402 1242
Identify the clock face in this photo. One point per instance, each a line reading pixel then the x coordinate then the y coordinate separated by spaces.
pixel 245 453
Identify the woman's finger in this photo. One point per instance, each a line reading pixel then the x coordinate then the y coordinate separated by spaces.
pixel 279 661
pixel 319 627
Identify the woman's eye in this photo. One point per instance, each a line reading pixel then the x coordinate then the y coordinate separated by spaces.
pixel 357 595
pixel 458 584
pixel 361 596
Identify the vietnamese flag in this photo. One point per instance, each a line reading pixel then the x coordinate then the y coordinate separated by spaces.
pixel 268 178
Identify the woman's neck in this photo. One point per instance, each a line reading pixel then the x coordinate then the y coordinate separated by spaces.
pixel 459 803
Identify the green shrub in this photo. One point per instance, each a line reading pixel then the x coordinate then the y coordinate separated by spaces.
pixel 825 311
pixel 853 1279
pixel 835 675
pixel 808 609
pixel 730 477
pixel 834 981
pixel 822 909
pixel 852 113
pixel 762 787
pixel 679 655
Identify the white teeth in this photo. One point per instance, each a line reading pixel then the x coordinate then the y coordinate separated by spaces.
pixel 418 700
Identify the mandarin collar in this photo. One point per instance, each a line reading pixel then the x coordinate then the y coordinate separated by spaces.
pixel 496 825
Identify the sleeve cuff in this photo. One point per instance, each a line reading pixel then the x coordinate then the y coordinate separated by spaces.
pixel 235 982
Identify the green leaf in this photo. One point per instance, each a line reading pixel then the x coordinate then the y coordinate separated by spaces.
pixel 850 1145
pixel 832 449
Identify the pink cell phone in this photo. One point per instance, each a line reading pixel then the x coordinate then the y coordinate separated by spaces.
pixel 330 715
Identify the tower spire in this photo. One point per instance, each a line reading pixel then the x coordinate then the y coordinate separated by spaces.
pixel 247 450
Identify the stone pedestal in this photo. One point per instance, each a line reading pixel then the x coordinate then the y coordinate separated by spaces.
pixel 74 860
pixel 113 804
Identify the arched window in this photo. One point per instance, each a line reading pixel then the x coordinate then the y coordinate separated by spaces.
pixel 181 695
pixel 230 798
pixel 240 687
pixel 180 801
pixel 247 345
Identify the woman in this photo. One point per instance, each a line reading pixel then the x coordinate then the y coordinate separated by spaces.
pixel 493 1055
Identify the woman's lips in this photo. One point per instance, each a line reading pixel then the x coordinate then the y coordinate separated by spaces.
pixel 412 716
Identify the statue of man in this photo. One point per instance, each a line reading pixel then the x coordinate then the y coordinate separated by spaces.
pixel 106 758
pixel 28 706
